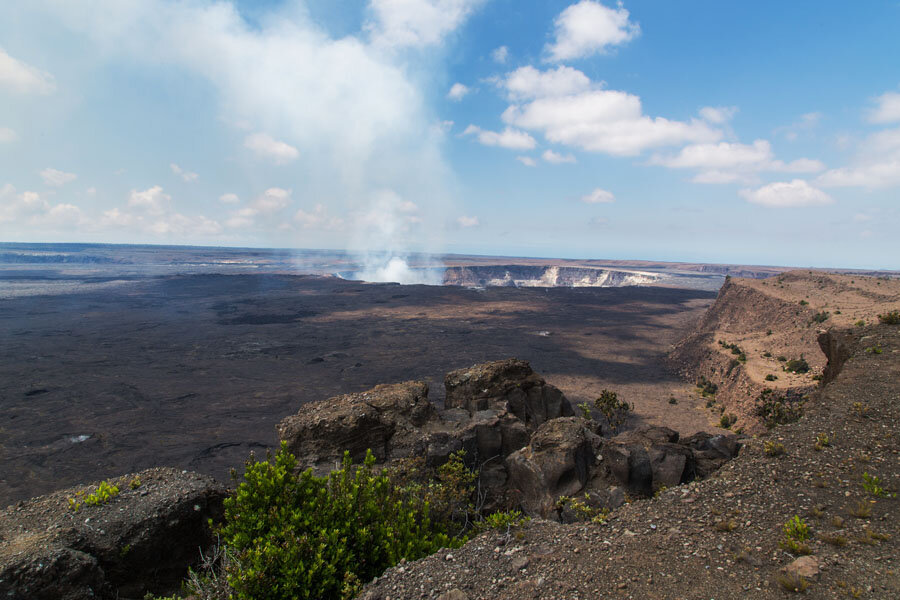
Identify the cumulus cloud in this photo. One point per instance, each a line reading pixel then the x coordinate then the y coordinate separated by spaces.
pixel 727 162
pixel 500 55
pixel 528 83
pixel 30 208
pixel 527 161
pixel 876 165
pixel 886 109
pixel 229 198
pixel 416 23
pixel 185 175
pixel 457 92
pixel 605 121
pixel 57 178
pixel 718 114
pixel 268 147
pixel 7 135
pixel 796 193
pixel 508 138
pixel 22 78
pixel 589 28
pixel 152 200
pixel 599 196
pixel 556 158
pixel 272 200
pixel 467 221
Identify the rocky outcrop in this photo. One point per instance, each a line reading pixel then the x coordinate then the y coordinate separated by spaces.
pixel 545 276
pixel 142 540
pixel 517 431
pixel 558 461
pixel 507 385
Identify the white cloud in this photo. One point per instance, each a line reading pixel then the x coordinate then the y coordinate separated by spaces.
pixel 466 221
pixel 29 208
pixel 876 165
pixel 806 123
pixel 229 198
pixel 186 175
pixel 457 92
pixel 500 55
pixel 152 200
pixel 886 109
pixel 272 200
pixel 589 28
pixel 718 115
pixel 528 83
pixel 605 121
pixel 417 23
pixel 179 225
pixel 318 218
pixel 22 78
pixel 508 138
pixel 57 178
pixel 555 158
pixel 599 196
pixel 7 135
pixel 727 162
pixel 527 161
pixel 796 193
pixel 266 146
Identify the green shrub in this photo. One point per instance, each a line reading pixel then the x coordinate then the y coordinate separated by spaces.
pixel 105 492
pixel 304 536
pixel 773 448
pixel 727 420
pixel 771 377
pixel 796 532
pixel 706 387
pixel 797 365
pixel 873 486
pixel 615 410
pixel 776 410
pixel 890 318
pixel 820 317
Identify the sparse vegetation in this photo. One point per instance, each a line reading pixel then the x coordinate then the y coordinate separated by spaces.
pixel 860 323
pixel 773 448
pixel 135 483
pixel 727 420
pixel 105 492
pixel 797 365
pixel 861 410
pixel 726 526
pixel 861 510
pixel 873 486
pixel 792 583
pixel 820 317
pixel 874 350
pixel 581 509
pixel 673 400
pixel 776 410
pixel 706 387
pixel 804 303
pixel 771 377
pixel 890 318
pixel 585 409
pixel 822 442
pixel 614 410
pixel 796 532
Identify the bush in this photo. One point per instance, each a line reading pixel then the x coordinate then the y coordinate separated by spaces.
pixel 304 536
pixel 797 365
pixel 771 377
pixel 706 387
pixel 727 420
pixel 776 410
pixel 890 318
pixel 820 317
pixel 105 492
pixel 615 410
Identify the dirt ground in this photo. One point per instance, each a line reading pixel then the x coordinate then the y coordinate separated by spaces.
pixel 194 371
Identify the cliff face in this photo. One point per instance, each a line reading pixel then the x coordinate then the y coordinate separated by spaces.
pixel 544 276
pixel 745 342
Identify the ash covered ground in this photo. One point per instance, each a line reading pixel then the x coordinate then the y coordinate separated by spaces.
pixel 112 366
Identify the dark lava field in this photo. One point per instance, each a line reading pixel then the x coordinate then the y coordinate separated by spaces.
pixel 195 370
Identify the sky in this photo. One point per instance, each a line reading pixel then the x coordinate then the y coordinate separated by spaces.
pixel 763 132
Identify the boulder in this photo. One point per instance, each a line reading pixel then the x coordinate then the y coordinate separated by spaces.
pixel 142 540
pixel 509 385
pixel 649 458
pixel 557 462
pixel 389 419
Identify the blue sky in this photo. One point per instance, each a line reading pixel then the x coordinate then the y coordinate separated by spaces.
pixel 762 133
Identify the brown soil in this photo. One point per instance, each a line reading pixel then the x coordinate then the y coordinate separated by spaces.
pixel 196 371
pixel 719 538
